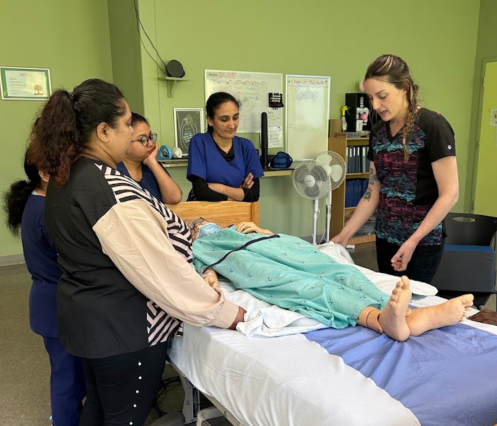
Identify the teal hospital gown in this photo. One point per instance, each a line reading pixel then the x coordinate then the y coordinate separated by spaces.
pixel 291 273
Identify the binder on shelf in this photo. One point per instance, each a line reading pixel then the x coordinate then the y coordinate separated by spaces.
pixel 349 151
pixel 356 159
pixel 364 158
pixel 357 192
pixel 349 194
pixel 364 186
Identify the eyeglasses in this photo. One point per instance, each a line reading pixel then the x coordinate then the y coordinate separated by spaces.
pixel 152 137
pixel 194 225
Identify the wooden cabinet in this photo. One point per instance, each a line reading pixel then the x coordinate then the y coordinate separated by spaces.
pixel 339 213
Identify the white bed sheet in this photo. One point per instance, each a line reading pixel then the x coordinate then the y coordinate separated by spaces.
pixel 289 380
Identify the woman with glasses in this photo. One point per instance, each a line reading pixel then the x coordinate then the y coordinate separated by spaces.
pixel 142 166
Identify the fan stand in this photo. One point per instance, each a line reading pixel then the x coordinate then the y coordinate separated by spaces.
pixel 334 163
pixel 315 225
pixel 328 215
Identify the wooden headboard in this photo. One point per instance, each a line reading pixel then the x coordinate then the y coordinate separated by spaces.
pixel 223 213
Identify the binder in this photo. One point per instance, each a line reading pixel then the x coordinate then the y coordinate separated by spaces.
pixel 357 191
pixel 349 193
pixel 357 159
pixel 364 186
pixel 351 159
pixel 349 156
pixel 364 159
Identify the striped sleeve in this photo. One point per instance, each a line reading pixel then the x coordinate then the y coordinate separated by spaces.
pixel 134 235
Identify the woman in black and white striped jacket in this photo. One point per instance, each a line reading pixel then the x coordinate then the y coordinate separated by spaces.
pixel 127 281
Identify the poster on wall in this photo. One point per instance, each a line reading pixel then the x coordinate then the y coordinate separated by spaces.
pixel 252 90
pixel 26 84
pixel 493 117
pixel 307 115
pixel 187 123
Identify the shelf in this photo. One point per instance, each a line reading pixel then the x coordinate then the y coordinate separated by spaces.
pixel 353 135
pixel 171 81
pixel 183 162
pixel 339 214
pixel 180 162
pixel 357 175
pixel 347 213
pixel 358 142
pixel 271 173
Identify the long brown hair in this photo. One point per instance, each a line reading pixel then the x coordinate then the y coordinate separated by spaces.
pixel 394 70
pixel 66 123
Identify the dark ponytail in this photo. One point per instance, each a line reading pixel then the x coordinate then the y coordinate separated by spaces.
pixel 66 124
pixel 214 102
pixel 16 198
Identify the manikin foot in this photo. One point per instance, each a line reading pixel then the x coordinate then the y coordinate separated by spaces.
pixel 448 313
pixel 393 317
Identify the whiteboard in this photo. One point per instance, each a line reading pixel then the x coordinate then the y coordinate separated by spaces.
pixel 252 90
pixel 307 115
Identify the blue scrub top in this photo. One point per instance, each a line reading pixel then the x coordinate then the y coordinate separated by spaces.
pixel 148 181
pixel 41 261
pixel 206 162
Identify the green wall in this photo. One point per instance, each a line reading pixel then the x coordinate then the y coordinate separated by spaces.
pixel 125 46
pixel 75 40
pixel 69 37
pixel 486 49
pixel 322 37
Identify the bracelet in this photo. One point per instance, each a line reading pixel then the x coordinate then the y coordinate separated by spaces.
pixel 208 274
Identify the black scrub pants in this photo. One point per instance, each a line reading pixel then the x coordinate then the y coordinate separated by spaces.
pixel 422 267
pixel 122 388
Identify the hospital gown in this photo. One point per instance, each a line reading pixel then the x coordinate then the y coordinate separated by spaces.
pixel 291 273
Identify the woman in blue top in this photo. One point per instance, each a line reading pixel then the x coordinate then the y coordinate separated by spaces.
pixel 141 164
pixel 25 208
pixel 221 165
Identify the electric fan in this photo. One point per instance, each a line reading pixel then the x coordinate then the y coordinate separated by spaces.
pixel 336 170
pixel 311 180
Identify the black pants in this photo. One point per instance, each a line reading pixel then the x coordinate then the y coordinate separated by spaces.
pixel 422 267
pixel 122 388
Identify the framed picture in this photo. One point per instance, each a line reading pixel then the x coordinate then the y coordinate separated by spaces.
pixel 187 123
pixel 27 84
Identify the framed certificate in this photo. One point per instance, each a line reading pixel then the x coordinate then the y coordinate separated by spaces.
pixel 28 84
pixel 187 123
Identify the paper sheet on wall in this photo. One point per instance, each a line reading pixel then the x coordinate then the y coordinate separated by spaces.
pixel 251 89
pixel 275 137
pixel 307 115
pixel 493 117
